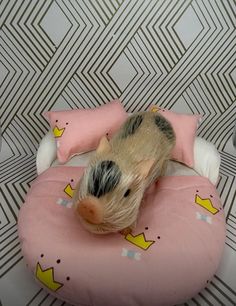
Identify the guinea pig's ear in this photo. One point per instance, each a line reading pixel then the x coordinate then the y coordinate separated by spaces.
pixel 104 145
pixel 91 210
pixel 145 166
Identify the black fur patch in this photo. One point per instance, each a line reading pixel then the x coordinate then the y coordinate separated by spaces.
pixel 131 126
pixel 103 178
pixel 165 127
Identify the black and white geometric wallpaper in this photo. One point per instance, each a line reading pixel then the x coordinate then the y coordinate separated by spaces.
pixel 62 54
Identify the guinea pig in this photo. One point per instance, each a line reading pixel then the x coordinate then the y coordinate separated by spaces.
pixel 108 196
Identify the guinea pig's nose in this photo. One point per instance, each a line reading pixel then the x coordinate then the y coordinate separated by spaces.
pixel 91 210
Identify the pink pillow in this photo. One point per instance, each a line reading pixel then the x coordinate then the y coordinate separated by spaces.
pixel 80 130
pixel 185 127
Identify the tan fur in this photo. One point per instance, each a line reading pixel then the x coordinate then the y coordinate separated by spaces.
pixel 148 143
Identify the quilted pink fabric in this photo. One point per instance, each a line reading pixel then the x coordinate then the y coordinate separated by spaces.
pixel 172 254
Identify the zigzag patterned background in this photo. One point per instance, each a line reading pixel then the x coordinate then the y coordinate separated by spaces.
pixel 64 54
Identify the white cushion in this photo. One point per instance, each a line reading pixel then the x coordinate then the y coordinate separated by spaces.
pixel 206 159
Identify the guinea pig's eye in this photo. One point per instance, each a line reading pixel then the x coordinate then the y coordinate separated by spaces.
pixel 127 193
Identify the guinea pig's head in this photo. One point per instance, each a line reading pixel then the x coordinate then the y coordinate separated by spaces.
pixel 110 191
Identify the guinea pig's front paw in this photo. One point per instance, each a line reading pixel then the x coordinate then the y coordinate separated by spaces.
pixel 126 231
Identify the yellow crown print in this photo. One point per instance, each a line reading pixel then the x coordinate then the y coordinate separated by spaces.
pixel 69 190
pixel 206 203
pixel 46 277
pixel 140 241
pixel 154 109
pixel 58 132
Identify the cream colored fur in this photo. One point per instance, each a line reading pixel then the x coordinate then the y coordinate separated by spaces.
pixel 142 158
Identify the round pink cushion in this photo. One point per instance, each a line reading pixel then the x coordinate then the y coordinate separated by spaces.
pixel 172 254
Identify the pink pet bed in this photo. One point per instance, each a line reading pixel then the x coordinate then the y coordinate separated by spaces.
pixel 171 256
pixel 177 245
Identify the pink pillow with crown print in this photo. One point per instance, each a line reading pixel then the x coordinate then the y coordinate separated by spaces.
pixel 80 130
pixel 185 127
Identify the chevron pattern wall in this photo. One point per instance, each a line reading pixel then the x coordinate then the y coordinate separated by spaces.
pixel 62 54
